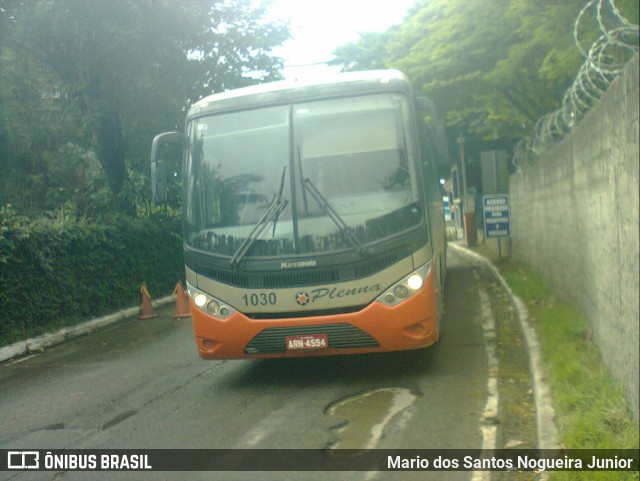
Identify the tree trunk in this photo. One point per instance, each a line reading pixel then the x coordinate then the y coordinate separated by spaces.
pixel 111 149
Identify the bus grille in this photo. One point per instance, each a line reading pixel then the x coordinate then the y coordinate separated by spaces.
pixel 306 277
pixel 314 313
pixel 341 336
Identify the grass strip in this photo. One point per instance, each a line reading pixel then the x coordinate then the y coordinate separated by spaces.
pixel 591 410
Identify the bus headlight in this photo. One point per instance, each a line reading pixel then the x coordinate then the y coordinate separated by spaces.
pixel 200 300
pixel 406 287
pixel 213 307
pixel 415 282
pixel 400 291
pixel 209 304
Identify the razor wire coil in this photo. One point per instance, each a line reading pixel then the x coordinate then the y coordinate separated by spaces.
pixel 604 61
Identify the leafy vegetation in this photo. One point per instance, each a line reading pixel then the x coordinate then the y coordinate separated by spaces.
pixel 591 411
pixel 86 85
pixel 56 271
pixel 493 67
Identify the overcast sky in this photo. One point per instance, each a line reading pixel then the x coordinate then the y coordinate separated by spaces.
pixel 319 26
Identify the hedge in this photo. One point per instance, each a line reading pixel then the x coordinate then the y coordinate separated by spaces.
pixel 55 273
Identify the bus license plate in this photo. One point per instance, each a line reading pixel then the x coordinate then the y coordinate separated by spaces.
pixel 307 341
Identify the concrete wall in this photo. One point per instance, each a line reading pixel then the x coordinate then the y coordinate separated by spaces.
pixel 575 220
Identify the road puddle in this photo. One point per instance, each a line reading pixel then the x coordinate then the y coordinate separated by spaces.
pixel 366 416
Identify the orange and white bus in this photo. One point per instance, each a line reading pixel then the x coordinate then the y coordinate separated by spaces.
pixel 313 218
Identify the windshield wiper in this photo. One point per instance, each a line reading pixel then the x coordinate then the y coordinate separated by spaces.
pixel 277 205
pixel 334 216
pixel 275 219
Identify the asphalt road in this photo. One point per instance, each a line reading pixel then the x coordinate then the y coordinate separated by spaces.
pixel 140 385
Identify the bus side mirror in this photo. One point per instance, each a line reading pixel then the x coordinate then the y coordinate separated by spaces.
pixel 158 169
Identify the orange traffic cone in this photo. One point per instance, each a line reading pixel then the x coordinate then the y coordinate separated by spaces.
pixel 182 304
pixel 146 309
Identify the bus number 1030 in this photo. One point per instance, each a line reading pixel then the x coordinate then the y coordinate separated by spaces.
pixel 260 299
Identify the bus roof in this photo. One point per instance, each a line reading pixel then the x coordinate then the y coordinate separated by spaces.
pixel 284 91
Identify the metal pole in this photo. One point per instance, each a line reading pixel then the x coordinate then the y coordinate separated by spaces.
pixel 468 208
pixel 495 179
pixel 460 141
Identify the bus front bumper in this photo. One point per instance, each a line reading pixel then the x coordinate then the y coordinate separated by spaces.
pixel 378 327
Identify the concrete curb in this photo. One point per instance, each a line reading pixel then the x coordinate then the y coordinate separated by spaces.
pixel 545 414
pixel 65 334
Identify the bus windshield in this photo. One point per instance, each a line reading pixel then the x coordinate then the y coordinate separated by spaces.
pixel 342 173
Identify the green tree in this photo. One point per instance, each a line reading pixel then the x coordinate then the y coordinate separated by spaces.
pixel 121 71
pixel 493 67
pixel 34 123
pixel 369 53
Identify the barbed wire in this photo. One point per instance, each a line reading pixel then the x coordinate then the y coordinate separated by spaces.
pixel 604 61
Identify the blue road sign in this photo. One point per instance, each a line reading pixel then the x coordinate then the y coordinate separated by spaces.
pixel 497 217
pixel 447 207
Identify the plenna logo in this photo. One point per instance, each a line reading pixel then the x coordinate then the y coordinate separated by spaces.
pixel 326 293
pixel 302 298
